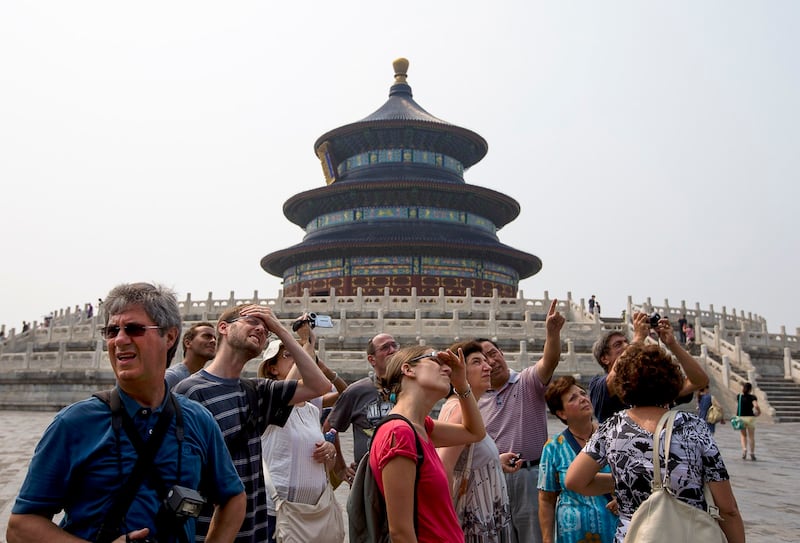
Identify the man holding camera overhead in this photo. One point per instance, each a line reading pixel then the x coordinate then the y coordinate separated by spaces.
pixel 244 408
pixel 612 344
pixel 126 465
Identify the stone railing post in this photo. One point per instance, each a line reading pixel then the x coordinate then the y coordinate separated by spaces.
pixel 187 304
pixel 380 320
pixel 717 345
pixel 322 352
pixel 726 371
pixel 359 299
pixel 209 304
pixel 787 363
pixel 387 300
pixel 418 323
pixel 704 356
pixel 98 353
pixel 737 349
pixel 524 357
pixel 570 358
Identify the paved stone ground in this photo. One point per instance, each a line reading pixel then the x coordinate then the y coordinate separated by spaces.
pixel 767 490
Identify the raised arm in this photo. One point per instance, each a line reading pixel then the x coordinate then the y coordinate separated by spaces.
pixel 552 344
pixel 451 412
pixel 696 377
pixel 312 382
pixel 471 429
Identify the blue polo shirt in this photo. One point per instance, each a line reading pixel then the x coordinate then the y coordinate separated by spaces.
pixel 77 467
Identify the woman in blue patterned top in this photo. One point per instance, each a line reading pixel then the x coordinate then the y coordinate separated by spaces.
pixel 566 516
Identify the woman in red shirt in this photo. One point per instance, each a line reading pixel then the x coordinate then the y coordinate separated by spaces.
pixel 418 377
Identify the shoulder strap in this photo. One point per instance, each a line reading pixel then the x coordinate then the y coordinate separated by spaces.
pixel 420 458
pixel 123 498
pixel 664 423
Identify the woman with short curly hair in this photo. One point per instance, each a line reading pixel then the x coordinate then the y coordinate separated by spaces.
pixel 649 381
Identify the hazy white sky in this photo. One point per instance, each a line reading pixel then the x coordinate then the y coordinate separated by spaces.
pixel 653 146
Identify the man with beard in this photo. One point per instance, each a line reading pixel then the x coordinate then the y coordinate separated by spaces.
pixel 244 408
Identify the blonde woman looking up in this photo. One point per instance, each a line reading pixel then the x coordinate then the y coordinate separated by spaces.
pixel 418 377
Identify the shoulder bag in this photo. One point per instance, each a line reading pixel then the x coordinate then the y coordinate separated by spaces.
pixel 302 522
pixel 736 422
pixel 663 518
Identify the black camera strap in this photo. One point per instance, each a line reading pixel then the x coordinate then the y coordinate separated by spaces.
pixel 124 496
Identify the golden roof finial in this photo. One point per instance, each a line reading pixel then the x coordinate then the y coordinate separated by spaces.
pixel 400 70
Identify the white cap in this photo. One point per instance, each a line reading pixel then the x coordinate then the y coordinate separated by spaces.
pixel 272 349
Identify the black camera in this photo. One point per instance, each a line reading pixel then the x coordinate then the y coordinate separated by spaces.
pixel 184 502
pixel 313 320
pixel 654 318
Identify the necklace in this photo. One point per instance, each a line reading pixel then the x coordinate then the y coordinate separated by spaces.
pixel 584 439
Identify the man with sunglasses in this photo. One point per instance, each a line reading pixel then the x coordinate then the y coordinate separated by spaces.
pixel 199 346
pixel 515 414
pixel 84 459
pixel 244 408
pixel 362 404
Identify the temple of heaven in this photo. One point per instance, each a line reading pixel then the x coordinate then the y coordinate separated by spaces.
pixel 396 213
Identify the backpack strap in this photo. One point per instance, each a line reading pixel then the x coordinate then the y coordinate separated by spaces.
pixel 420 458
pixel 146 451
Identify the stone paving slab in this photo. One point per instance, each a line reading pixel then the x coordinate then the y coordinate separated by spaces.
pixel 768 491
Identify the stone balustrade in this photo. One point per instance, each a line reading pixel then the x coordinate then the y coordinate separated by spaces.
pixel 70 350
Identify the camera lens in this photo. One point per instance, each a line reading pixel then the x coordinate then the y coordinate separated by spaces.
pixel 654 318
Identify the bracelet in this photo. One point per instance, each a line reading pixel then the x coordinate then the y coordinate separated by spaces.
pixel 464 394
pixel 335 376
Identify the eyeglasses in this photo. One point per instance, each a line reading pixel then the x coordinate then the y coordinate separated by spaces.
pixel 131 329
pixel 387 346
pixel 249 320
pixel 434 355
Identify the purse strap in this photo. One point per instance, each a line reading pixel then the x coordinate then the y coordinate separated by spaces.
pixel 666 423
pixel 739 407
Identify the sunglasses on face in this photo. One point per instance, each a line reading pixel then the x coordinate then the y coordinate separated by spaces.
pixel 131 329
pixel 433 356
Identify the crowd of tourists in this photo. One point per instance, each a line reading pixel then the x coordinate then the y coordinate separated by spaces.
pixel 194 451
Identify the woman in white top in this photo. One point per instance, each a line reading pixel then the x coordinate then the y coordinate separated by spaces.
pixel 296 457
pixel 477 482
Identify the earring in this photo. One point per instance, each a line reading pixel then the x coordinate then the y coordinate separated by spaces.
pixel 392 398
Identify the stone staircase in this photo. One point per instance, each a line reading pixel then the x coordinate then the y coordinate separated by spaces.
pixel 784 397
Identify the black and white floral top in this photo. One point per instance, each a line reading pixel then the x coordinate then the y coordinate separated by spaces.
pixel 694 459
